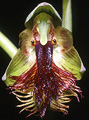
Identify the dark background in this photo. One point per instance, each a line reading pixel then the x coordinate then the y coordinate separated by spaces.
pixel 12 17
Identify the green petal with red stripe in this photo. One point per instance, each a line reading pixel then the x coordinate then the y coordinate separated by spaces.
pixel 23 60
pixel 65 55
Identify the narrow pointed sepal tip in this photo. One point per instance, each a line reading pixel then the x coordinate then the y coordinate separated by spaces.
pixel 4 77
pixel 83 69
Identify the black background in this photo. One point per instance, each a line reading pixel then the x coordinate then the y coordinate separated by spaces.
pixel 12 17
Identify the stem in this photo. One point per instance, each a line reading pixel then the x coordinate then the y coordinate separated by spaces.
pixel 67 15
pixel 7 45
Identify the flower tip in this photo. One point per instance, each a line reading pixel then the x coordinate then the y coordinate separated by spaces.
pixel 44 3
pixel 20 111
pixel 4 76
pixel 83 69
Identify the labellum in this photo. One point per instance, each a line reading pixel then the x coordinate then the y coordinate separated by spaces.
pixel 46 67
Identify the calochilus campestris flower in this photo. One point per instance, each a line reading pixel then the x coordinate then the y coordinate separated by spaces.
pixel 46 67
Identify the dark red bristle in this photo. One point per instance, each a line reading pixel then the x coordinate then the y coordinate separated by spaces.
pixel 45 79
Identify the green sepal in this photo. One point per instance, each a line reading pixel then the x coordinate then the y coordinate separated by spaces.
pixel 18 65
pixel 65 55
pixel 25 38
pixel 43 7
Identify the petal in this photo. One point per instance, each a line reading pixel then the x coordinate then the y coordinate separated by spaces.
pixel 23 60
pixel 65 55
pixel 64 39
pixel 25 42
pixel 19 64
pixel 43 7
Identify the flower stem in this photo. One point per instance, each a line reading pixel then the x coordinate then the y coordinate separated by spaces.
pixel 67 15
pixel 7 45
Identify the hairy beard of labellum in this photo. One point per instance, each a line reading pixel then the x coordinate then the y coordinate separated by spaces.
pixel 43 84
pixel 45 79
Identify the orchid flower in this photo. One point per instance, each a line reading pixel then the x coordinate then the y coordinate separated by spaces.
pixel 46 67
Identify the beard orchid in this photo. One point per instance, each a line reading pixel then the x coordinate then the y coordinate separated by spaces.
pixel 46 67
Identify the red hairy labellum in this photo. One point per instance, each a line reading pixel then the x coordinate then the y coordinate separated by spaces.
pixel 45 79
